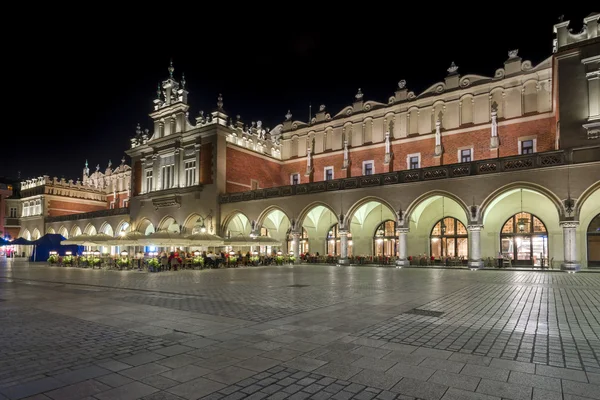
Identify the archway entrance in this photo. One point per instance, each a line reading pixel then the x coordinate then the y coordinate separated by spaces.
pixel 449 238
pixel 593 243
pixel 524 239
pixel 304 248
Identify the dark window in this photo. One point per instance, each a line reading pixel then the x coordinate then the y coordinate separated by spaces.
pixel 465 155
pixel 369 168
pixel 414 162
pixel 329 174
pixel 527 147
pixel 295 179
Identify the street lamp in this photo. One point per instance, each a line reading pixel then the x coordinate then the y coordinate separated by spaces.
pixel 53 253
pixel 124 253
pixel 201 220
pixel 96 253
pixel 68 253
pixel 196 253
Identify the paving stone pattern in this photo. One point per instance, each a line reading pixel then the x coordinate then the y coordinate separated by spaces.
pixel 545 325
pixel 309 332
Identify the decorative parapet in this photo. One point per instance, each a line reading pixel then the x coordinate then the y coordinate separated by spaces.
pixel 483 167
pixel 89 215
pixel 255 137
pixel 60 187
pixel 565 36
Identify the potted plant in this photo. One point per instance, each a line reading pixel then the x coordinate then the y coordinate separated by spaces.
pixel 198 262
pixel 153 264
pixel 124 262
pixel 53 259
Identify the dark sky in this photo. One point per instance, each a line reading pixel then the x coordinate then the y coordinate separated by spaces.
pixel 79 84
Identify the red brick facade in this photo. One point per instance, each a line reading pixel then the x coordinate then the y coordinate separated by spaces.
pixel 64 207
pixel 206 163
pixel 243 166
pixel 137 178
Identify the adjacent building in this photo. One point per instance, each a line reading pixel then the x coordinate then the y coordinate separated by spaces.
pixel 473 168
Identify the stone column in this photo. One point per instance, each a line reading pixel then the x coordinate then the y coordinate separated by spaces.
pixel 475 260
pixel 570 262
pixel 343 260
pixel 296 246
pixel 402 260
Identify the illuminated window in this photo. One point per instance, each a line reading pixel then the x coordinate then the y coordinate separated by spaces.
pixel 13 212
pixel 524 239
pixel 149 180
pixel 384 239
pixel 593 242
pixel 168 176
pixel 303 246
pixel 333 242
pixel 190 173
pixel 449 238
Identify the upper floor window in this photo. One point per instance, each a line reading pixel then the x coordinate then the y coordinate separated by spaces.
pixel 413 161
pixel 295 179
pixel 148 180
pixel 254 184
pixel 12 212
pixel 368 167
pixel 328 173
pixel 190 173
pixel 527 147
pixel 125 203
pixel 168 176
pixel 465 155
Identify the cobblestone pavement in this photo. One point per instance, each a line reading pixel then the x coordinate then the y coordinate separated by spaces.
pixel 309 332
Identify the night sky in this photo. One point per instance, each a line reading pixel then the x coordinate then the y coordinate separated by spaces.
pixel 79 86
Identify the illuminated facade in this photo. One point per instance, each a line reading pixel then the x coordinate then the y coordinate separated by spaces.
pixel 446 173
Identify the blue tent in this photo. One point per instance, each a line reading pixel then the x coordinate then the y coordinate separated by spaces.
pixel 51 242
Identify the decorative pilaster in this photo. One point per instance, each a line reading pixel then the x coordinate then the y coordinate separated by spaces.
pixel 343 259
pixel 197 153
pixel 309 166
pixel 296 246
pixel 346 163
pixel 143 177
pixel 402 260
pixel 570 262
pixel 494 143
pixel 438 136
pixel 177 161
pixel 156 181
pixel 388 154
pixel 475 260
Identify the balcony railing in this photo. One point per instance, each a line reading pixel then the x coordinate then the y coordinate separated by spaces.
pixel 12 222
pixel 482 167
pixel 88 215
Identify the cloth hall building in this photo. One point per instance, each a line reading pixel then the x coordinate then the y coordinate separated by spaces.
pixel 473 167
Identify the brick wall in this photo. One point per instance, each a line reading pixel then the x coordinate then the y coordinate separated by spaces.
pixel 243 167
pixel 62 207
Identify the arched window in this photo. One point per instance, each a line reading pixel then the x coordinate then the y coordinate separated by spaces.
pixel 593 242
pixel 303 248
pixel 333 243
pixel 449 239
pixel 384 239
pixel 524 239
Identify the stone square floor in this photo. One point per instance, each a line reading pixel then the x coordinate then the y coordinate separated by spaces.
pixel 302 332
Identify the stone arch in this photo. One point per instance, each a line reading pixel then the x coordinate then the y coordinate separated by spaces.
pixel 90 230
pixel 276 222
pixel 145 226
pixel 497 194
pixel 167 223
pixel 191 223
pixel 588 208
pixel 356 206
pixel 50 230
pixel 432 194
pixel 123 226
pixel 317 218
pixel 107 229
pixel 27 235
pixel 63 231
pixel 306 210
pixel 75 231
pixel 267 211
pixel 584 197
pixel 515 198
pixel 242 224
pixel 425 212
pixel 36 234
